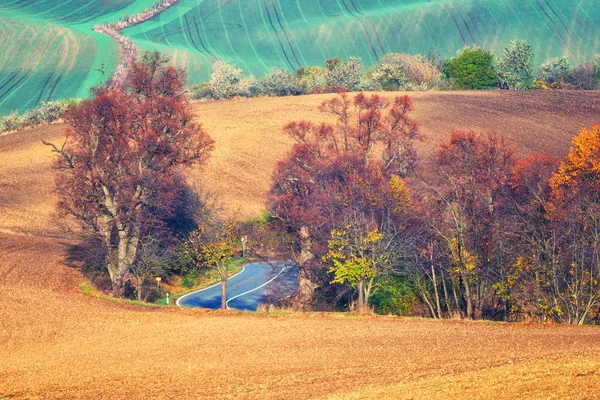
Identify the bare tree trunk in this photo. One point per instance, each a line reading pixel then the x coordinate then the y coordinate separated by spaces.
pixel 361 299
pixel 435 288
pixel 456 298
pixel 224 294
pixel 445 292
pixel 469 311
pixel 139 289
pixel 306 253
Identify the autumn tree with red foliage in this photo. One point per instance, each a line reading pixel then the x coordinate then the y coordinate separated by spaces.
pixel 122 156
pixel 339 175
pixel 466 180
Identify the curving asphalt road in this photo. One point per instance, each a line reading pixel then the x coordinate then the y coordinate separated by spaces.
pixel 258 283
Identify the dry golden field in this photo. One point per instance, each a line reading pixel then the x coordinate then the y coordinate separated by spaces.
pixel 58 343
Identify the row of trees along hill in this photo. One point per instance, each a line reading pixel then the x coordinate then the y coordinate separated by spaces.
pixel 471 68
pixel 472 231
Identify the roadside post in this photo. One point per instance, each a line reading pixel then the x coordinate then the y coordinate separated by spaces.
pixel 167 298
pixel 244 238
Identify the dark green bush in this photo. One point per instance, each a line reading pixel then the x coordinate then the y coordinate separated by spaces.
pixel 472 68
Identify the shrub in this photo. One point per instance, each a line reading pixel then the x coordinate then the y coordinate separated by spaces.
pixel 226 82
pixel 200 91
pixel 280 83
pixel 312 79
pixel 52 110
pixel 584 76
pixel 346 74
pixel 405 72
pixel 393 295
pixel 12 122
pixel 34 117
pixel 554 70
pixel 471 69
pixel 515 67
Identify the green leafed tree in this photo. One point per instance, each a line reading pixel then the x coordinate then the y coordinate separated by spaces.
pixel 515 66
pixel 213 246
pixel 355 257
pixel 472 68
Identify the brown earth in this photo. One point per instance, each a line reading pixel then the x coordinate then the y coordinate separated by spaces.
pixel 58 343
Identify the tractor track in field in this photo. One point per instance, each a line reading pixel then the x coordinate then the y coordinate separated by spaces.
pixel 366 17
pixel 363 27
pixel 285 33
pixel 200 38
pixel 462 37
pixel 277 34
pixel 466 24
pixel 566 30
pixel 556 29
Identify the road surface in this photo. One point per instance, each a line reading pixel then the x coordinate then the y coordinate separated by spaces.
pixel 258 283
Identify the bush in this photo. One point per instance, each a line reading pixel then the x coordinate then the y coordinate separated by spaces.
pixel 189 280
pixel 12 122
pixel 515 67
pixel 584 76
pixel 405 72
pixel 34 117
pixel 393 295
pixel 312 79
pixel 471 69
pixel 52 110
pixel 200 91
pixel 279 83
pixel 345 74
pixel 226 82
pixel 554 70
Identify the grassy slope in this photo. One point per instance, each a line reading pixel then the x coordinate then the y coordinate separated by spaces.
pixel 56 343
pixel 258 34
pixel 48 50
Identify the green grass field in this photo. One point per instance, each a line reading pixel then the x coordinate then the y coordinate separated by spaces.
pixel 258 34
pixel 48 50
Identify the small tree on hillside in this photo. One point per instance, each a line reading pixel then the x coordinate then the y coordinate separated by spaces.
pixel 472 68
pixel 555 70
pixel 515 66
pixel 214 246
pixel 120 161
pixel 227 81
pixel 151 260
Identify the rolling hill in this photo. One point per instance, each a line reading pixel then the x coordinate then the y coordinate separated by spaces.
pixel 48 50
pixel 48 53
pixel 58 343
pixel 258 34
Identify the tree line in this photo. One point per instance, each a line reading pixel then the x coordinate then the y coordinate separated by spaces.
pixel 472 68
pixel 473 231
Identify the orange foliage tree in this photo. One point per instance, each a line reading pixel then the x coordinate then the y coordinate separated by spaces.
pixel 575 206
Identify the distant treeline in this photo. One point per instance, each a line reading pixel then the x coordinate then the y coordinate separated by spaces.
pixel 472 68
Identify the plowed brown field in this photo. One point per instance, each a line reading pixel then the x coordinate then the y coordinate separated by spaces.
pixel 57 343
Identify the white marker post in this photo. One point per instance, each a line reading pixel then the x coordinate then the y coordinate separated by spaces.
pixel 244 238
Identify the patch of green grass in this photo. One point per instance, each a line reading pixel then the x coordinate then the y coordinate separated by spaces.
pixel 87 289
